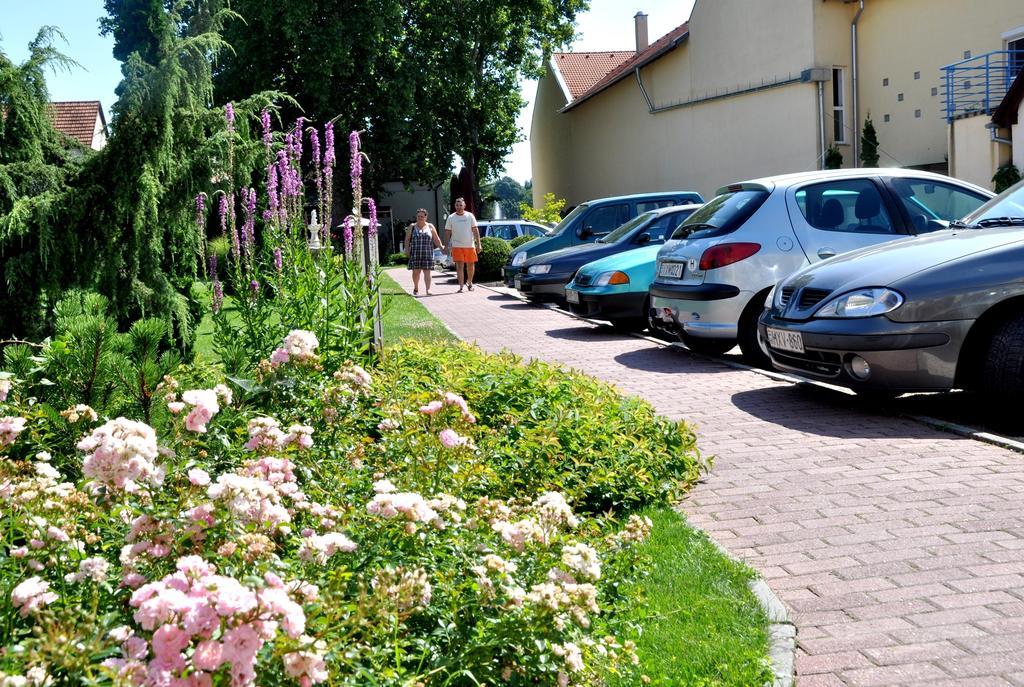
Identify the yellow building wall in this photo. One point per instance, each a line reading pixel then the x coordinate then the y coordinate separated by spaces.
pixel 897 38
pixel 976 157
pixel 1017 134
pixel 629 150
pixel 550 142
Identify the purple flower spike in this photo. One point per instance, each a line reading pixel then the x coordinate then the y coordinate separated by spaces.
pixel 235 244
pixel 348 234
pixel 272 187
pixel 268 137
pixel 254 286
pixel 218 295
pixel 278 261
pixel 249 228
pixel 223 214
pixel 213 266
pixel 356 165
pixel 373 217
pixel 201 213
pixel 329 145
pixel 229 115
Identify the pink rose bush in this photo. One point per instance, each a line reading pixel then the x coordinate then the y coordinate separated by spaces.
pixel 279 546
pixel 298 348
pixel 10 428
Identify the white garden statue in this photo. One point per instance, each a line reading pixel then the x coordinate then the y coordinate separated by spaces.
pixel 313 243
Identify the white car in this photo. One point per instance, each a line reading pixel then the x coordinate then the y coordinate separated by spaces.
pixel 714 275
pixel 509 229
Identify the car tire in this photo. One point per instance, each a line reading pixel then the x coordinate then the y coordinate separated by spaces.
pixel 707 346
pixel 1003 371
pixel 754 352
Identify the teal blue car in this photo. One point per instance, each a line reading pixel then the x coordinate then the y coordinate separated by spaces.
pixel 614 288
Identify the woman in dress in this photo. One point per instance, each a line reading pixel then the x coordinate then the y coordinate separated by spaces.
pixel 420 240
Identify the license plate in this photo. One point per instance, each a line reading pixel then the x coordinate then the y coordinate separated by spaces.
pixel 671 269
pixel 519 283
pixel 785 340
pixel 572 296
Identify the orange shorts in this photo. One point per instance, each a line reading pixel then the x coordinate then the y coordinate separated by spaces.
pixel 464 254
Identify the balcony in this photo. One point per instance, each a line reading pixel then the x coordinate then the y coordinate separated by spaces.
pixel 977 85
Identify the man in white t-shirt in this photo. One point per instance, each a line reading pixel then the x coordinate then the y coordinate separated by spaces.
pixel 463 240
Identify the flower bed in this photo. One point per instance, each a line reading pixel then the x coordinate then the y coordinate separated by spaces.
pixel 455 522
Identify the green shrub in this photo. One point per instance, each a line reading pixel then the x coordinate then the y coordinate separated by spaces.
pixel 520 240
pixel 221 247
pixel 397 259
pixel 1005 177
pixel 494 254
pixel 547 428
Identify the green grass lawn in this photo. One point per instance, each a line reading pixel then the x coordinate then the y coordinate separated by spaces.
pixel 700 624
pixel 406 318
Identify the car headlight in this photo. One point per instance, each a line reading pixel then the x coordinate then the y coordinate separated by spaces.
pixel 539 269
pixel 611 278
pixel 518 259
pixel 861 303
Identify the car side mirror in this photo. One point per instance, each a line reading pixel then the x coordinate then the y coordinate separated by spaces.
pixel 643 238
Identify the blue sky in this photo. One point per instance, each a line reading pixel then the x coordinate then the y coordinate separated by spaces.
pixel 608 25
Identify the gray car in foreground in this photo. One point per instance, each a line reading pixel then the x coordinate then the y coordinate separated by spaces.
pixel 932 313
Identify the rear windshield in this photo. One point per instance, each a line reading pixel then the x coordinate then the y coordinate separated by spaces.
pixel 724 214
pixel 568 219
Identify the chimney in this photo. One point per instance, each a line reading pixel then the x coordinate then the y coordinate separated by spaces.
pixel 641 31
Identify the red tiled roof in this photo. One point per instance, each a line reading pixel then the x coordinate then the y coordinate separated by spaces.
pixel 77 119
pixel 581 70
pixel 666 43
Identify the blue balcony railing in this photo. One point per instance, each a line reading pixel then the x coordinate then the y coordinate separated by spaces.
pixel 978 84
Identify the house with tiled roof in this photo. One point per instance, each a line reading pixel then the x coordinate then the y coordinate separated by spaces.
pixel 81 120
pixel 748 89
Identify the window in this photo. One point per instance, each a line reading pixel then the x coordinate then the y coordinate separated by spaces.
pixel 647 205
pixel 666 225
pixel 926 201
pixel 935 90
pixel 1016 58
pixel 838 107
pixel 899 97
pixel 967 54
pixel 917 76
pixel 603 219
pixel 722 215
pixel 885 81
pixel 501 231
pixel 532 230
pixel 885 118
pixel 917 114
pixel 848 205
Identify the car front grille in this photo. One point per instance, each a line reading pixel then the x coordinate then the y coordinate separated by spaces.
pixel 811 297
pixel 787 293
pixel 583 280
pixel 819 363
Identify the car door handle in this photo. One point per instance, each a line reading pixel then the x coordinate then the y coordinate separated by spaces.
pixel 826 253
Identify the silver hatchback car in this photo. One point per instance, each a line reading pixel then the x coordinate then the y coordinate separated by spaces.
pixel 715 274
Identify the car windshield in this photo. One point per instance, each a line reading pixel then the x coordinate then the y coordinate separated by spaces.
pixel 1002 210
pixel 621 232
pixel 568 219
pixel 722 215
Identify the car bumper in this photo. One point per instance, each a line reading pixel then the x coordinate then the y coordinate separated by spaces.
pixel 900 357
pixel 609 306
pixel 509 274
pixel 546 287
pixel 706 311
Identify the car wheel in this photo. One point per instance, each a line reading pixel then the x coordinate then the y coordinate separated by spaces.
pixel 754 351
pixel 707 346
pixel 1003 375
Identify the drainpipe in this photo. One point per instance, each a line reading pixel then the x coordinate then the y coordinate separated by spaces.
pixel 853 90
pixel 821 121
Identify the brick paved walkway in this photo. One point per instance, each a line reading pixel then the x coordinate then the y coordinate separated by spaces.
pixel 897 548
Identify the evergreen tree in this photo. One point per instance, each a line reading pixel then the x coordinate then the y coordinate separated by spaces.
pixel 869 144
pixel 833 158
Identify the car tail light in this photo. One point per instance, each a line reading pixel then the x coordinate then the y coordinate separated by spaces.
pixel 726 254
